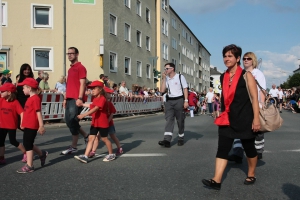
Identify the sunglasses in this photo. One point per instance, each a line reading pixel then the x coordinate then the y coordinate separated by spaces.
pixel 168 68
pixel 247 58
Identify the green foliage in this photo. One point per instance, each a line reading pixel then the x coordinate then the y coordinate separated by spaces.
pixel 294 80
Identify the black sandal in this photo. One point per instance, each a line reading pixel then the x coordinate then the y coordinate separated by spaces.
pixel 212 184
pixel 252 180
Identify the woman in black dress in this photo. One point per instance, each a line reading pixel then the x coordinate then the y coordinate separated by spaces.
pixel 25 72
pixel 239 118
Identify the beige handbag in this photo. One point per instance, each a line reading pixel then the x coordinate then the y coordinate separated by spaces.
pixel 269 116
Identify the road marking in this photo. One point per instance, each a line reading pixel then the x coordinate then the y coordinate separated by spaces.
pixel 295 150
pixel 135 155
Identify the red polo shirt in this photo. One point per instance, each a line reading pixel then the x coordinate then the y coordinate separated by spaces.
pixel 9 112
pixel 75 73
pixel 33 105
pixel 100 118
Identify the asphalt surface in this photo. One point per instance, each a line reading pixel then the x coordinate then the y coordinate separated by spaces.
pixel 148 171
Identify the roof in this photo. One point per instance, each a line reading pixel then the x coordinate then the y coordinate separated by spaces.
pixel 214 71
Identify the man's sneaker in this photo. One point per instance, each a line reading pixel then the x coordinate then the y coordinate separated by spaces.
pixel 86 139
pixel 70 150
pixel 119 151
pixel 25 169
pixel 24 160
pixel 81 158
pixel 92 154
pixel 180 142
pixel 43 158
pixel 165 143
pixel 2 161
pixel 109 157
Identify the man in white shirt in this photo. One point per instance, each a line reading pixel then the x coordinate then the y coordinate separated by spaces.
pixel 208 98
pixel 123 91
pixel 274 93
pixel 280 98
pixel 176 102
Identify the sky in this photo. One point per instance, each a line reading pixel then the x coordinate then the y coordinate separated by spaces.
pixel 269 28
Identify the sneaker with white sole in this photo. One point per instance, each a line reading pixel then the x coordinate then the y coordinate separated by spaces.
pixel 25 169
pixel 81 158
pixel 109 157
pixel 70 150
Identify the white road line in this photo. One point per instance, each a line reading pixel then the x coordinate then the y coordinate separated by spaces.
pixel 295 150
pixel 135 155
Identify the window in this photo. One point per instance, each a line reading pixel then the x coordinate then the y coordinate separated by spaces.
pixel 112 62
pixel 139 69
pixel 174 23
pixel 42 16
pixel 112 24
pixel 174 43
pixel 127 3
pixel 184 68
pixel 164 27
pixel 42 58
pixel 127 32
pixel 138 38
pixel 127 66
pixel 148 71
pixel 148 19
pixel 165 51
pixel 138 8
pixel 4 14
pixel 147 43
pixel 165 5
pixel 199 61
pixel 3 60
pixel 174 62
pixel 183 32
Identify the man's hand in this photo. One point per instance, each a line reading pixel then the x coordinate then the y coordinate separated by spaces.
pixel 79 103
pixel 64 103
pixel 186 105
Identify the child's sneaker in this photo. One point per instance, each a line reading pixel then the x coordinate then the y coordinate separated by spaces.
pixel 25 169
pixel 2 161
pixel 92 154
pixel 43 158
pixel 119 151
pixel 70 150
pixel 24 160
pixel 81 158
pixel 109 157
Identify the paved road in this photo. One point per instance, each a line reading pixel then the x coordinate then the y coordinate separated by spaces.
pixel 148 171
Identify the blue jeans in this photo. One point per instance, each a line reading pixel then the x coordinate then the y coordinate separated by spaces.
pixel 210 108
pixel 72 110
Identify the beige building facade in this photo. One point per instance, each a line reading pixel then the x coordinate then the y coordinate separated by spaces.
pixel 120 38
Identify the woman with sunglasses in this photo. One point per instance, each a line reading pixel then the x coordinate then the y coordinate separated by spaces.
pixel 250 64
pixel 239 119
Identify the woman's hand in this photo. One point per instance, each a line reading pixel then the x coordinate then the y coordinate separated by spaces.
pixel 255 125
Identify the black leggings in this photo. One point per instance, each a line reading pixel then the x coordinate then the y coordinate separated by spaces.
pixel 28 138
pixel 11 135
pixel 225 144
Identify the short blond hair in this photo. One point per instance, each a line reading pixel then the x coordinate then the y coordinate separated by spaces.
pixel 61 80
pixel 254 59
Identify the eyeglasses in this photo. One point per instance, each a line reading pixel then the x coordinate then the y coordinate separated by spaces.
pixel 168 68
pixel 70 54
pixel 247 58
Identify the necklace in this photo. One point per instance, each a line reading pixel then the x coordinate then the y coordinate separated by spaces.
pixel 231 77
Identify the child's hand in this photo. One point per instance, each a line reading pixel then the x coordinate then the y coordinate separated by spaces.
pixel 80 116
pixel 41 130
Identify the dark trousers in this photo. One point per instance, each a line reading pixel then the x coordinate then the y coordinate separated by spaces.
pixel 72 110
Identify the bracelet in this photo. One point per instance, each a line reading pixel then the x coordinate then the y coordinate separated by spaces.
pixel 186 100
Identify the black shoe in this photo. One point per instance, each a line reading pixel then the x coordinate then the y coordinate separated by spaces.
pixel 235 158
pixel 180 142
pixel 280 111
pixel 259 156
pixel 165 143
pixel 251 182
pixel 212 184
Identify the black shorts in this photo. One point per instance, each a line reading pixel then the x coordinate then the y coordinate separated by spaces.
pixel 102 131
pixel 280 100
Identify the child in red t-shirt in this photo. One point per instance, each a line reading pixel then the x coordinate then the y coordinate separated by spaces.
pixel 31 124
pixel 10 108
pixel 112 130
pixel 98 110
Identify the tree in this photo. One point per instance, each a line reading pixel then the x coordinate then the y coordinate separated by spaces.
pixel 294 80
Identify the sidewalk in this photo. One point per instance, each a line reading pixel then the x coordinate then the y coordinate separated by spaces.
pixel 56 125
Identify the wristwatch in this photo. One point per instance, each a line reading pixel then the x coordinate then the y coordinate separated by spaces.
pixel 186 100
pixel 80 98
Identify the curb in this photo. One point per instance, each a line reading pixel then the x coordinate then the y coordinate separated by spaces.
pixel 64 125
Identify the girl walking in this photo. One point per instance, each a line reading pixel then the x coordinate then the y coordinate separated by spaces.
pixel 98 110
pixel 9 112
pixel 111 130
pixel 32 124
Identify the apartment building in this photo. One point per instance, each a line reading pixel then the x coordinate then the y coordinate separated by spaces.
pixel 124 39
pixel 114 37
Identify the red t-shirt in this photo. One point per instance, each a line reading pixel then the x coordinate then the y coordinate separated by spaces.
pixel 111 110
pixel 100 118
pixel 75 73
pixel 32 105
pixel 9 112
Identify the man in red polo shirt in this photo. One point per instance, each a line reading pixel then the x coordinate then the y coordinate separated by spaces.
pixel 73 100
